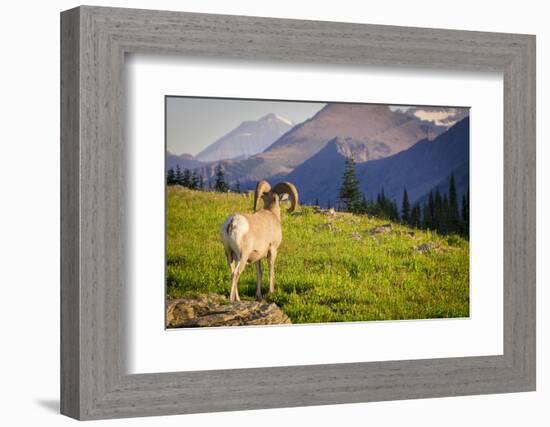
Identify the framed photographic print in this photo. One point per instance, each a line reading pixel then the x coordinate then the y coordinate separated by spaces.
pixel 349 209
pixel 377 199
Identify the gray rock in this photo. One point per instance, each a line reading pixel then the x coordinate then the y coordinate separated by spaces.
pixel 430 247
pixel 215 310
pixel 381 229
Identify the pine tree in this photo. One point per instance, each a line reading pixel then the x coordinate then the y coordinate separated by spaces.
pixel 466 214
pixel 186 178
pixel 445 216
pixel 393 211
pixel 382 207
pixel 171 177
pixel 194 181
pixel 220 184
pixel 405 207
pixel 430 220
pixel 426 217
pixel 438 210
pixel 349 195
pixel 382 204
pixel 201 182
pixel 364 205
pixel 454 216
pixel 237 186
pixel 177 178
pixel 415 217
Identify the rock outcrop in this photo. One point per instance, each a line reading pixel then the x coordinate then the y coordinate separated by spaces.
pixel 215 310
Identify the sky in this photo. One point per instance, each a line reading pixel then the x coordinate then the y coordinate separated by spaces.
pixel 194 123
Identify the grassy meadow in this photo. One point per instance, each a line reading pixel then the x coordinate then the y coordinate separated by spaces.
pixel 330 268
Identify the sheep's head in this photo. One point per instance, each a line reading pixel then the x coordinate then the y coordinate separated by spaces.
pixel 281 192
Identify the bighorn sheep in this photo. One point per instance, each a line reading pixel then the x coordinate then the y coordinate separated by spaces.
pixel 252 237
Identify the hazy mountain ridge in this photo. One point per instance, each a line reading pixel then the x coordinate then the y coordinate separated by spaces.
pixel 420 168
pixel 393 131
pixel 392 149
pixel 184 161
pixel 383 132
pixel 249 138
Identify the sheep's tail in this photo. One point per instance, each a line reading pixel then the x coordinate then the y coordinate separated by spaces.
pixel 233 230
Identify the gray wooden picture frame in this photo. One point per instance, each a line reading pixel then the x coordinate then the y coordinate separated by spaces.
pixel 94 382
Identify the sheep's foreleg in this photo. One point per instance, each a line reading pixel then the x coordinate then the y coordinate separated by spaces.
pixel 272 254
pixel 258 280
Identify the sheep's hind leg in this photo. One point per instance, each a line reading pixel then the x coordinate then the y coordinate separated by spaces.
pixel 230 259
pixel 271 255
pixel 234 279
pixel 258 280
pixel 235 276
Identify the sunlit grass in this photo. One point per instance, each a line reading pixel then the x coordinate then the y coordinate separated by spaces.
pixel 329 268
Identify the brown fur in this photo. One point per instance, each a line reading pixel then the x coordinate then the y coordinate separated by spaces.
pixel 261 240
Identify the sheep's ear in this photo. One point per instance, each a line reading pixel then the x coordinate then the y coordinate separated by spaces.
pixel 284 197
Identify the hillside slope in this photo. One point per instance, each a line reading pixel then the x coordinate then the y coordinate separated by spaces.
pixel 330 268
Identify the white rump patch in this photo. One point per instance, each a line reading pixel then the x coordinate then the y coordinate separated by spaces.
pixel 233 230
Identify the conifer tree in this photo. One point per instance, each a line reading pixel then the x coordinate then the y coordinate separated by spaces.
pixel 177 178
pixel 383 204
pixel 431 211
pixel 454 216
pixel 405 207
pixel 194 181
pixel 438 210
pixel 466 214
pixel 415 217
pixel 426 217
pixel 445 216
pixel 220 184
pixel 350 195
pixel 186 178
pixel 364 205
pixel 238 186
pixel 393 211
pixel 383 207
pixel 171 177
pixel 201 182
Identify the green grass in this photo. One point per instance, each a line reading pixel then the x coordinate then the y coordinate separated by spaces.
pixel 328 269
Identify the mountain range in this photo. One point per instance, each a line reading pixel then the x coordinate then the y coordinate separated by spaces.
pixel 422 167
pixel 249 138
pixel 393 148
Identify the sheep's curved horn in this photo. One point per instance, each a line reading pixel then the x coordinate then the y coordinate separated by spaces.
pixel 261 188
pixel 290 189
